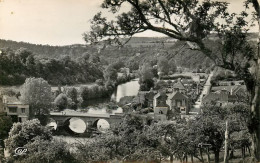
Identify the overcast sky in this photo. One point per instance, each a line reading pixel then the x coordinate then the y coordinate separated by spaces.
pixel 55 22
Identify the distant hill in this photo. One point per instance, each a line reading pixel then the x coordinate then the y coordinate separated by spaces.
pixel 137 51
pixel 46 51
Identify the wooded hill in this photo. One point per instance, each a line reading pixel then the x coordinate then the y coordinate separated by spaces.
pixel 136 52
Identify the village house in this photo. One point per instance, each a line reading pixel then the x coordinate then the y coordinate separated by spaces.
pixel 239 90
pixel 13 107
pixel 176 101
pixel 178 87
pixel 230 83
pixel 219 99
pixel 224 95
pixel 145 98
pixel 160 107
pixel 149 98
pixel 179 102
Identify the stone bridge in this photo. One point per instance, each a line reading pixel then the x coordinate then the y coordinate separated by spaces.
pixel 90 119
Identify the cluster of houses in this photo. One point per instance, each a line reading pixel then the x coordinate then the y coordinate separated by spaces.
pixel 227 92
pixel 178 98
pixel 172 99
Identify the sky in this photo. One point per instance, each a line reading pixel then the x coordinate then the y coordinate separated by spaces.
pixel 57 22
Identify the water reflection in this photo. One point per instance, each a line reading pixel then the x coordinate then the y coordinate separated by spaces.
pixel 130 88
pixel 127 89
pixel 77 125
pixel 103 125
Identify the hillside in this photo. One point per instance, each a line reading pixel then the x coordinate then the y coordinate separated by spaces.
pixel 137 51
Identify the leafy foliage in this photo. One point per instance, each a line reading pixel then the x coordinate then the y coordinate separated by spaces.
pixel 26 132
pixel 37 93
pixel 5 126
pixel 139 138
pixel 17 66
pixel 61 101
pixel 146 77
pixel 39 142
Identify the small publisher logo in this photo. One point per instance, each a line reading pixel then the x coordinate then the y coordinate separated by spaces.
pixel 20 151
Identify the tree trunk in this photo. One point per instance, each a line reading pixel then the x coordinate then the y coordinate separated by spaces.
pixel 216 156
pixel 249 151
pixel 208 154
pixel 231 154
pixel 255 105
pixel 255 121
pixel 226 143
pixel 202 159
pixel 191 158
pixel 243 154
pixel 171 159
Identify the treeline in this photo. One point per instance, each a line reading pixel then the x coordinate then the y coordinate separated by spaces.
pixel 16 66
pixel 73 98
pixel 47 51
pixel 133 56
pixel 140 138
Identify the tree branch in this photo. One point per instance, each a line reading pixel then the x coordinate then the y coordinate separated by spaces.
pixel 165 31
pixel 256 6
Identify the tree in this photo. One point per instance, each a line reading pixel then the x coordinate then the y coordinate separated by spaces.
pixel 172 66
pixel 5 126
pixel 163 65
pixel 191 21
pixel 255 91
pixel 72 93
pixel 61 101
pixel 23 54
pixel 37 93
pixel 117 65
pixel 146 77
pixel 110 73
pixel 26 132
pixel 39 142
pixel 41 150
pixel 210 132
pixel 85 91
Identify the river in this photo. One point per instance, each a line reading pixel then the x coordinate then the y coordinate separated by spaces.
pixel 130 88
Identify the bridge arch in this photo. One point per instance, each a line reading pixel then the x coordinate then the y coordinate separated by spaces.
pixel 101 124
pixel 52 123
pixel 78 125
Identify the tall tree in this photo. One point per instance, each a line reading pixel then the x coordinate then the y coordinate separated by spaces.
pixel 37 93
pixel 72 93
pixel 163 65
pixel 110 73
pixel 61 101
pixel 146 77
pixel 191 21
pixel 255 91
pixel 5 126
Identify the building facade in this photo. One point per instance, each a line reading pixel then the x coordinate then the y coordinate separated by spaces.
pixel 14 108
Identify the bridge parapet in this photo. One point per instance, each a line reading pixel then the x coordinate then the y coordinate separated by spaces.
pixel 89 119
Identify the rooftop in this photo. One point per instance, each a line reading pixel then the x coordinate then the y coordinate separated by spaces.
pixel 11 100
pixel 179 85
pixel 232 88
pixel 177 95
